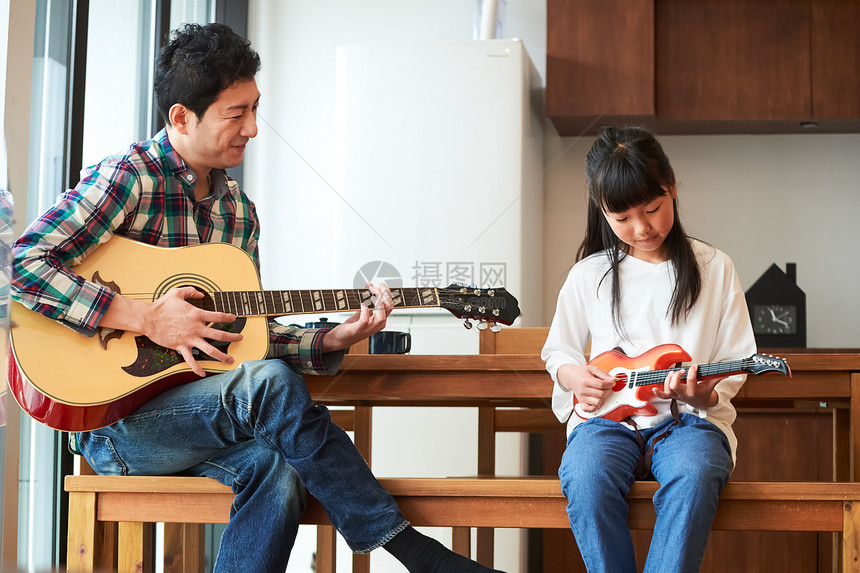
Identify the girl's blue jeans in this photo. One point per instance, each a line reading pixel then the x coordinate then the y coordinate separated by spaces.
pixel 257 430
pixel 691 465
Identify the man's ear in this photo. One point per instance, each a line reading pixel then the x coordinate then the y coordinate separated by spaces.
pixel 180 117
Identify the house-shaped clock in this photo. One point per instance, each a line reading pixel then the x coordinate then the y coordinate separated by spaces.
pixel 777 309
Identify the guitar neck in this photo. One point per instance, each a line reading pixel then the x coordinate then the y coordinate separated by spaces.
pixel 645 377
pixel 285 302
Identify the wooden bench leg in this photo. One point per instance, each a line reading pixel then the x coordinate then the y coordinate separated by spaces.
pixel 84 532
pixel 326 560
pixel 486 467
pixel 184 548
pixel 461 541
pixel 851 537
pixel 135 548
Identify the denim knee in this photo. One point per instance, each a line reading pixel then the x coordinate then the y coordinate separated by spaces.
pixel 259 381
pixel 270 474
pixel 256 372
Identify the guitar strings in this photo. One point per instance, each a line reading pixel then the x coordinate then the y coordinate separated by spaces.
pixel 255 302
pixel 473 302
pixel 648 377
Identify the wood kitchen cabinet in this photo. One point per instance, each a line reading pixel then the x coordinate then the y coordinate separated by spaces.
pixel 740 60
pixel 704 66
pixel 600 61
pixel 835 59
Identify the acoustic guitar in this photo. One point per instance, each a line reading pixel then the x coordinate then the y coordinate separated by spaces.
pixel 637 376
pixel 72 382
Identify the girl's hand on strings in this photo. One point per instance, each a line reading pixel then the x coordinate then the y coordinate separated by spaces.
pixel 698 394
pixel 589 384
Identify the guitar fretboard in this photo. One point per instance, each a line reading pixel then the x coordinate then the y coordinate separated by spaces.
pixel 284 302
pixel 645 377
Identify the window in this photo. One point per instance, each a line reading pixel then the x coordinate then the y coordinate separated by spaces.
pixel 91 95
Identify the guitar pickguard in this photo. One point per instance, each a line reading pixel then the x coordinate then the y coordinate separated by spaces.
pixel 104 334
pixel 153 359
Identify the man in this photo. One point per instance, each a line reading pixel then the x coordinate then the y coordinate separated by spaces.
pixel 254 427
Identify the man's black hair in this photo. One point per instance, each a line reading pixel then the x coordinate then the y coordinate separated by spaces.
pixel 198 64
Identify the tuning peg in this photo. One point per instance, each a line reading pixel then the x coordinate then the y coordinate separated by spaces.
pixel 468 324
pixel 495 326
pixel 482 325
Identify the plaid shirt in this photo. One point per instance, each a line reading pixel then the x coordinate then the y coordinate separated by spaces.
pixel 146 194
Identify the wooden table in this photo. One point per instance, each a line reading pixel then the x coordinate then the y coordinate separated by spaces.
pixel 821 378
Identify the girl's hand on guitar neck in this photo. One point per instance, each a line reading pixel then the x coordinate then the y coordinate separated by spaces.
pixel 363 323
pixel 696 393
pixel 590 384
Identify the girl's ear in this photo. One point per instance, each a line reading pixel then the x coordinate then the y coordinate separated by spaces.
pixel 673 190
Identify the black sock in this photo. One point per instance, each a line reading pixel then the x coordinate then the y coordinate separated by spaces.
pixel 422 554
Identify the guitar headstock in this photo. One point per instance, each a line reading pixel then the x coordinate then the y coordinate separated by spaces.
pixel 759 364
pixel 490 306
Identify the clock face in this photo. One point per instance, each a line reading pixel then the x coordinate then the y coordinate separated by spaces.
pixel 775 319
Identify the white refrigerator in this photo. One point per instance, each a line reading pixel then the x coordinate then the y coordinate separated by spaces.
pixel 438 162
pixel 438 172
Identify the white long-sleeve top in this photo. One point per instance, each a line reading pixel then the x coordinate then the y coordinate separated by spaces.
pixel 717 328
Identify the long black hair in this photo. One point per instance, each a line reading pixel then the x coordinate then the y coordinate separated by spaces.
pixel 198 64
pixel 626 167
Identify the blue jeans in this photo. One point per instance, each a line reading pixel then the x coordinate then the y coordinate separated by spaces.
pixel 692 465
pixel 257 430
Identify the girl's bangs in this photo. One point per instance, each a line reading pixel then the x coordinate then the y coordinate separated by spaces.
pixel 623 187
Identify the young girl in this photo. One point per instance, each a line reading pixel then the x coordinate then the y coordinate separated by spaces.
pixel 639 282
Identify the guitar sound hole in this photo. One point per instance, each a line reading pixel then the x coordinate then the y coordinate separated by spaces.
pixel 205 303
pixel 621 382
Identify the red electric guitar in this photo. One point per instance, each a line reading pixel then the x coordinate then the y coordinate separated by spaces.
pixel 636 377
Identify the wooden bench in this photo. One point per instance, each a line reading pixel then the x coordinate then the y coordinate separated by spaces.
pixel 493 384
pixel 461 503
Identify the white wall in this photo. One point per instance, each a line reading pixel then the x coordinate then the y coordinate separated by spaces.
pixel 762 199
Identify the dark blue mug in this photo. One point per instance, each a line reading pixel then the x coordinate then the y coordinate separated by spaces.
pixel 321 323
pixel 390 342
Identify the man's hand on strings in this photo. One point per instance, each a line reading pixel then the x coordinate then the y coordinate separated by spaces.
pixel 363 323
pixel 173 322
